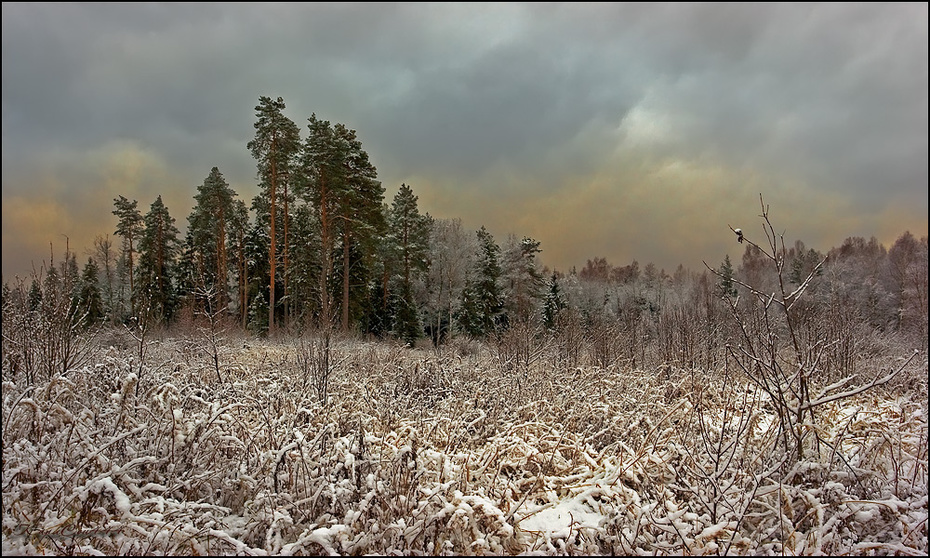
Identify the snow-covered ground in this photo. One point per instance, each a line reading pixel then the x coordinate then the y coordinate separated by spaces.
pixel 417 452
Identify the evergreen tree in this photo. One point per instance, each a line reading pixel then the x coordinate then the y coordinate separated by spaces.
pixel 553 304
pixel 90 299
pixel 726 288
pixel 238 227
pixel 408 237
pixel 258 314
pixel 158 247
pixel 209 229
pixel 305 264
pixel 322 186
pixel 275 146
pixel 189 273
pixel 523 282
pixel 129 226
pixel 34 300
pixel 340 183
pixel 361 221
pixel 803 261
pixel 256 243
pixel 378 318
pixel 482 310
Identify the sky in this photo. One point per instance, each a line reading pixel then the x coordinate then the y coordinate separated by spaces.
pixel 623 131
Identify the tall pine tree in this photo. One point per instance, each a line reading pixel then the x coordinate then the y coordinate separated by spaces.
pixel 209 228
pixel 361 221
pixel 341 184
pixel 129 226
pixel 275 146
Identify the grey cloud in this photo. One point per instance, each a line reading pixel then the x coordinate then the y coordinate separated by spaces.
pixel 832 97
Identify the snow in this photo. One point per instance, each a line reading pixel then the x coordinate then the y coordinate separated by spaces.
pixel 561 518
pixel 580 464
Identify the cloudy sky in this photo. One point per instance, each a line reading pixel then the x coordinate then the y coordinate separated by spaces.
pixel 625 131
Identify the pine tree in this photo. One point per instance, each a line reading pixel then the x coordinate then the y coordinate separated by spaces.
pixel 322 185
pixel 340 183
pixel 209 231
pixel 238 226
pixel 158 247
pixel 275 146
pixel 362 219
pixel 129 226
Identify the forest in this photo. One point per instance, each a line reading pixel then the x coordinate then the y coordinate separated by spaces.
pixel 325 371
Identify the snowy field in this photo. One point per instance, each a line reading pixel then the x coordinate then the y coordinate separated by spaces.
pixel 464 451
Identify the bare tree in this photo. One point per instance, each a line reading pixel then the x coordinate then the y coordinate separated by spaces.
pixel 770 351
pixel 213 310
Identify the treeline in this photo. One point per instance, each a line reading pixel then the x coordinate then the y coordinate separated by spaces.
pixel 321 247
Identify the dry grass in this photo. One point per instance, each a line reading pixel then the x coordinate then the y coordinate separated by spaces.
pixel 468 451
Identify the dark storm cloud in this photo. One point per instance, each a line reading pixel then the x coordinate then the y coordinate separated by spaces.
pixel 609 120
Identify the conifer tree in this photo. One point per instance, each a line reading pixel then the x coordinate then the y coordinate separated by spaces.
pixel 34 300
pixel 726 288
pixel 256 245
pixel 323 186
pixel 554 302
pixel 523 282
pixel 129 226
pixel 209 229
pixel 238 227
pixel 361 220
pixel 482 309
pixel 158 247
pixel 90 299
pixel 340 183
pixel 305 263
pixel 409 236
pixel 275 146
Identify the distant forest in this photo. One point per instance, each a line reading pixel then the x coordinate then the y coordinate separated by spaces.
pixel 320 247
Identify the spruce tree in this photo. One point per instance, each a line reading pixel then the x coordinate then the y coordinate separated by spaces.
pixel 725 287
pixel 238 227
pixel 90 299
pixel 409 238
pixel 553 304
pixel 482 309
pixel 523 282
pixel 158 247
